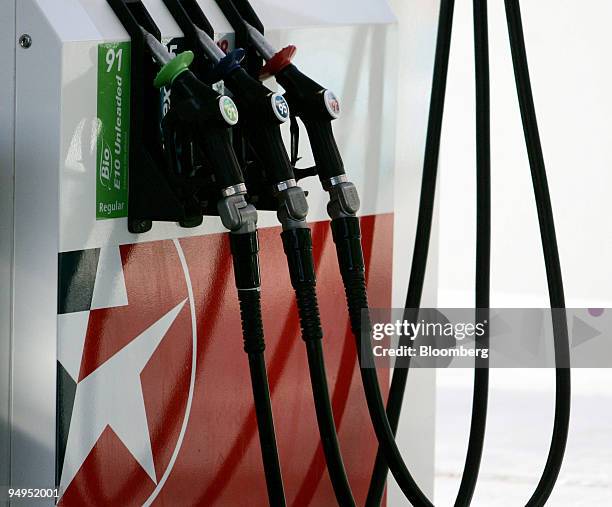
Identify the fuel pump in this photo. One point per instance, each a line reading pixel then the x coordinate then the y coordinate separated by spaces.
pixel 263 111
pixel 196 138
pixel 109 394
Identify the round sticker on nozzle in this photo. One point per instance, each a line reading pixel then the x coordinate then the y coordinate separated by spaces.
pixel 332 104
pixel 280 107
pixel 228 109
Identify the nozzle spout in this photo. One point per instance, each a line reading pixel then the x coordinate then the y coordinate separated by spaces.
pixel 160 53
pixel 265 49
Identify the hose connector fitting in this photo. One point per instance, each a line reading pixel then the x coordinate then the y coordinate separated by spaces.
pixel 344 200
pixel 293 208
pixel 237 215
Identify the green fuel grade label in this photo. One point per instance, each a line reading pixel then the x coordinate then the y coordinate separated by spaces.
pixel 114 130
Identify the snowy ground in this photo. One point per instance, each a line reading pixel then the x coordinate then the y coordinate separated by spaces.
pixel 518 435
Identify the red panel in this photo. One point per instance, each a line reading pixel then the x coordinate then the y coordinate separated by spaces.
pixel 219 462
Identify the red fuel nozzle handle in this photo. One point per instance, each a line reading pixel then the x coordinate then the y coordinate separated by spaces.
pixel 317 107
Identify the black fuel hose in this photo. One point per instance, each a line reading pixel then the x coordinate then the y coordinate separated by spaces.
pixel 264 136
pixel 208 115
pixel 347 237
pixel 265 425
pixel 245 253
pixel 197 106
pixel 325 418
pixel 306 100
pixel 423 233
pixel 480 398
pixel 298 249
pixel 266 140
pixel 551 257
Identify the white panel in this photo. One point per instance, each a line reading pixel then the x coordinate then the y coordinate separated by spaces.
pixel 36 244
pixel 7 109
pixel 277 14
pixel 71 332
pixel 94 19
pixel 215 16
pixel 78 25
pixel 417 41
pixel 105 20
pixel 109 288
pixel 163 19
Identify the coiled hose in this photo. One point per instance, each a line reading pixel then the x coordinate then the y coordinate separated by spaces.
pixel 480 400
pixel 551 257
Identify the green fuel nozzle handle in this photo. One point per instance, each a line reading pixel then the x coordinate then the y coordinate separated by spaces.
pixel 197 106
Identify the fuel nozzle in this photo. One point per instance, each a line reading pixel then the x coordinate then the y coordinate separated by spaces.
pixel 264 106
pixel 279 63
pixel 207 116
pixel 262 113
pixel 175 68
pixel 317 107
pixel 197 108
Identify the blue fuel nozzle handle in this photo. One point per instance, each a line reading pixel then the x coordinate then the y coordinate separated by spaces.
pixel 226 66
